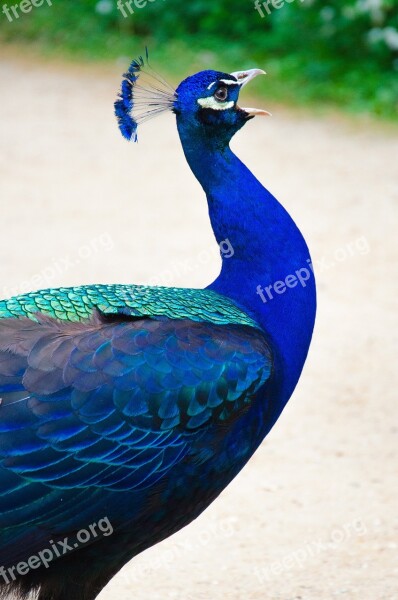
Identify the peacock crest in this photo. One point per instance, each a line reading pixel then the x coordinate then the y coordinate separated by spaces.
pixel 143 95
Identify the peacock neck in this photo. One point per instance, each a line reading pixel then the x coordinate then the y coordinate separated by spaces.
pixel 269 273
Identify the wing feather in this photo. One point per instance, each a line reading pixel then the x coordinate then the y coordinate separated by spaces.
pixel 111 406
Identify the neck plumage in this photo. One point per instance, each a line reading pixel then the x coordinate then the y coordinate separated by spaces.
pixel 268 250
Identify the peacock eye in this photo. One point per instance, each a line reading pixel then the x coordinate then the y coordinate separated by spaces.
pixel 221 94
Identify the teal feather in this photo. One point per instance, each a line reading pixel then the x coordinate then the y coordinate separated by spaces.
pixel 77 303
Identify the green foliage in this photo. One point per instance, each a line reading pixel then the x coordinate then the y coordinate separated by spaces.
pixel 343 53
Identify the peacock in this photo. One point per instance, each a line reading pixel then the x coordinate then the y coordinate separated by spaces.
pixel 126 410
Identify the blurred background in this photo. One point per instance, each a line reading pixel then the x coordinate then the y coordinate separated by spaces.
pixel 339 53
pixel 313 516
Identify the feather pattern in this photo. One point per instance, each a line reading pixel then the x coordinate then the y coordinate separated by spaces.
pixel 134 301
pixel 143 95
pixel 142 404
pixel 112 405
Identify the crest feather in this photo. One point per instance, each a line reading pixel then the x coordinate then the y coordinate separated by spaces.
pixel 143 95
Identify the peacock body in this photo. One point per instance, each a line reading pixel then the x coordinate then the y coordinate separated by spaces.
pixel 132 406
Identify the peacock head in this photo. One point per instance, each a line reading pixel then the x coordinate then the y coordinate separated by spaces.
pixel 206 104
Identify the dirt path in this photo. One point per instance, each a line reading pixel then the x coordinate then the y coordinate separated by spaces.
pixel 314 515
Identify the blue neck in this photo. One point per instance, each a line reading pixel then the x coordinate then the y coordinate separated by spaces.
pixel 267 246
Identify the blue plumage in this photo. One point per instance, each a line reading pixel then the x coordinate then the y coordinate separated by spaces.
pixel 143 94
pixel 141 404
pixel 123 106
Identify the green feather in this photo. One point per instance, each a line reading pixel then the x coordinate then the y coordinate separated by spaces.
pixel 78 303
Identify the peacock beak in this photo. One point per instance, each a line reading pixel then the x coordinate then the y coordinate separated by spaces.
pixel 243 78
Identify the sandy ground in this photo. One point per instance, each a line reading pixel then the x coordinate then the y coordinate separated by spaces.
pixel 314 514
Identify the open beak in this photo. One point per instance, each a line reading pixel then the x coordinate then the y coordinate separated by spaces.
pixel 243 78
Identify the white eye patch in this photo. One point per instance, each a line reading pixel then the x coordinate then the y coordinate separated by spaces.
pixel 224 81
pixel 229 82
pixel 212 103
